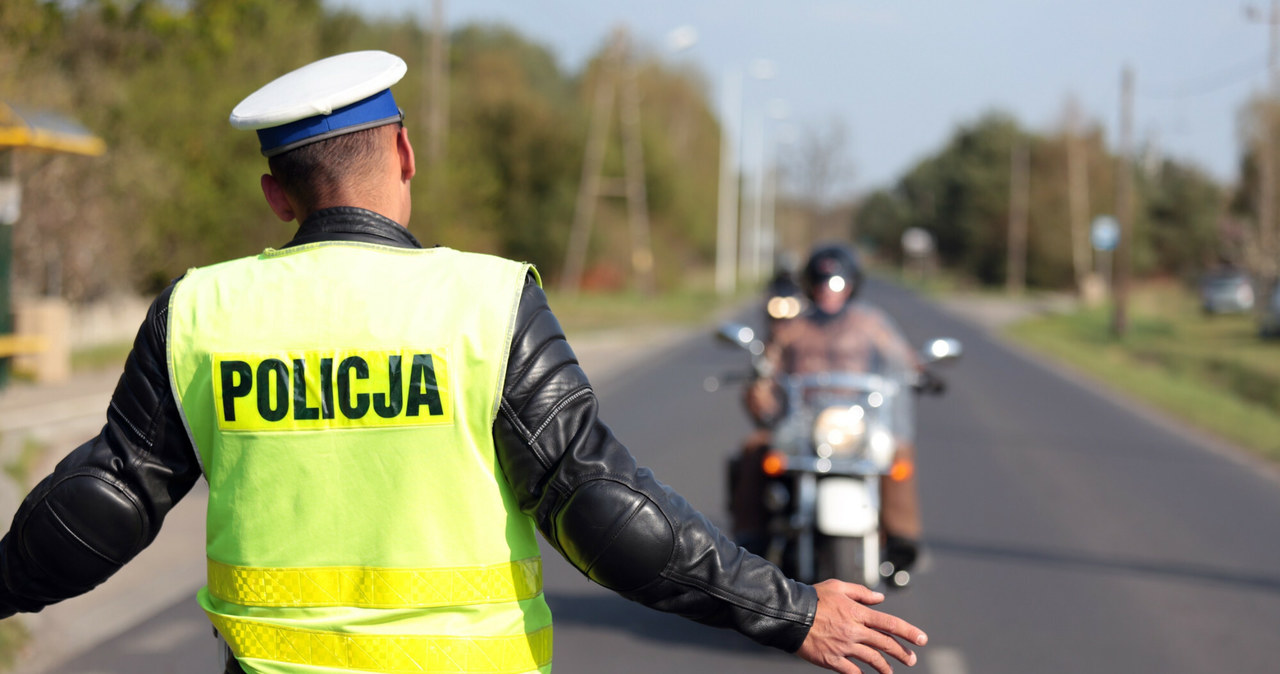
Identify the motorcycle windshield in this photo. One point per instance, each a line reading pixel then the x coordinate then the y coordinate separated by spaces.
pixel 848 414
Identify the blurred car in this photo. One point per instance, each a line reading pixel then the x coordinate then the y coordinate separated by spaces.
pixel 1269 317
pixel 1228 292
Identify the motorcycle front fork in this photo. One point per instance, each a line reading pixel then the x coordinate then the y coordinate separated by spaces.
pixel 804 525
pixel 803 522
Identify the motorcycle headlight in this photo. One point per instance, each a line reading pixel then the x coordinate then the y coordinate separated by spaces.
pixel 881 448
pixel 838 430
pixel 783 307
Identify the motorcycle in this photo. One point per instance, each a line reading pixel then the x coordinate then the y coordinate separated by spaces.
pixel 834 439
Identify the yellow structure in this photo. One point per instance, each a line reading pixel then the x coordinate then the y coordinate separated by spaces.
pixel 41 130
pixel 22 128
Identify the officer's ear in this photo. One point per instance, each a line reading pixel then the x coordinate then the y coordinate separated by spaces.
pixel 276 198
pixel 405 151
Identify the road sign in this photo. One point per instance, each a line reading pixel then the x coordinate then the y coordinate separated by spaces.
pixel 1105 233
pixel 917 242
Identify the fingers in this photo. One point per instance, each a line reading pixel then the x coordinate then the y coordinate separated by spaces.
pixel 842 665
pixel 896 626
pixel 883 643
pixel 845 626
pixel 859 593
pixel 871 657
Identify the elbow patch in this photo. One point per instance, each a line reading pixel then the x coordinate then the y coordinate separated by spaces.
pixel 615 534
pixel 83 530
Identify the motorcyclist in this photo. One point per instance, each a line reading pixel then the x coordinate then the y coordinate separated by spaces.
pixel 834 333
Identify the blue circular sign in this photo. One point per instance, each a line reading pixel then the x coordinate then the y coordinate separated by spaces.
pixel 1105 233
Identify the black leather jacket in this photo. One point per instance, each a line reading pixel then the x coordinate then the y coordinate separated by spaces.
pixel 608 516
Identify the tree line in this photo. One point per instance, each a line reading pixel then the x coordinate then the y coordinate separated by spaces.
pixel 156 79
pixel 178 187
pixel 1183 221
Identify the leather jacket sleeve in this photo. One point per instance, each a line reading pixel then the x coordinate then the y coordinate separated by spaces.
pixel 612 519
pixel 106 500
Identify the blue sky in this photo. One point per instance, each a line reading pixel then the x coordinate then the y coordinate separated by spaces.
pixel 900 75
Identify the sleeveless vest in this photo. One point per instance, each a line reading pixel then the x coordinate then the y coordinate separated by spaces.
pixel 341 398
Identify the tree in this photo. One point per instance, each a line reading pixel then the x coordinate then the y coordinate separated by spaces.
pixel 1256 197
pixel 178 187
pixel 961 196
pixel 819 175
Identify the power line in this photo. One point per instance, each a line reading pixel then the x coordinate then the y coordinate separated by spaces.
pixel 1208 84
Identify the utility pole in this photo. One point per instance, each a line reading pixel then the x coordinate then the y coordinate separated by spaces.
pixel 727 205
pixel 437 89
pixel 1267 159
pixel 637 194
pixel 1264 262
pixel 1077 198
pixel 1124 207
pixel 1016 272
pixel 10 206
pixel 592 186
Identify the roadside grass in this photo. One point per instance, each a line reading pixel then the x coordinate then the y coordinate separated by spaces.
pixel 102 357
pixel 14 636
pixel 1211 372
pixel 591 312
pixel 19 468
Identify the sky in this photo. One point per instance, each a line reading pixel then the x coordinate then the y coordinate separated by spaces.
pixel 901 75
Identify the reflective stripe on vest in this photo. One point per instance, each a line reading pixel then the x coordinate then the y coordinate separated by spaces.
pixel 341 398
pixel 387 654
pixel 375 588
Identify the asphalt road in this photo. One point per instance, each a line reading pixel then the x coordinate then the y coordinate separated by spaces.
pixel 1065 531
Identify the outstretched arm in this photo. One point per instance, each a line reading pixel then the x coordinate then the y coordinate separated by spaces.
pixel 106 500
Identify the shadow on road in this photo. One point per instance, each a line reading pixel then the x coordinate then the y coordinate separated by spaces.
pixel 1170 570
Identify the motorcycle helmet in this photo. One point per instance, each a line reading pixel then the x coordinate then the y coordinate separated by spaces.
pixel 837 267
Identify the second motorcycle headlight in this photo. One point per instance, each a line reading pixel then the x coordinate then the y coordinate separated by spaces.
pixel 783 307
pixel 838 431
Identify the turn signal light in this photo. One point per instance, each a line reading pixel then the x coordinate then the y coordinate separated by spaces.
pixel 902 470
pixel 774 464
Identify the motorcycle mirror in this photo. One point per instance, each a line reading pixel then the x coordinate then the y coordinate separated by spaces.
pixel 943 348
pixel 739 335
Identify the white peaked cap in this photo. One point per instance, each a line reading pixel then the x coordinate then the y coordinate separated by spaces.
pixel 335 95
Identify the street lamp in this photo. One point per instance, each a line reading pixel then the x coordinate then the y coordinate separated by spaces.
pixel 778 111
pixel 759 238
pixel 727 224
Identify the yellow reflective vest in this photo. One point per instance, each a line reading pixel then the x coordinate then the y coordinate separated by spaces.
pixel 341 397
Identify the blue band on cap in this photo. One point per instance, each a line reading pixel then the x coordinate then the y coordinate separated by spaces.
pixel 363 114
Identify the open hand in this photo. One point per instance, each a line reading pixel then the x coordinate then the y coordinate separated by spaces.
pixel 846 627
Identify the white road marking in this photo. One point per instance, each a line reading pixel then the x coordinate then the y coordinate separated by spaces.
pixel 943 660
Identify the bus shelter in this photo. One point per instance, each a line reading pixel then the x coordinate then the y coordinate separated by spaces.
pixel 24 129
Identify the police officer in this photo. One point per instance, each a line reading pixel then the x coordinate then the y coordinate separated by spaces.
pixel 383 427
pixel 835 333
